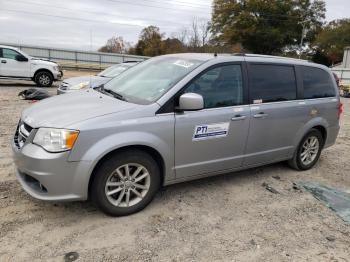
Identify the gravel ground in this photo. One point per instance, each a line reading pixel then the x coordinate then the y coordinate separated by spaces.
pixel 230 217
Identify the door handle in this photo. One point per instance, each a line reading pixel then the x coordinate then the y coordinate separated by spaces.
pixel 260 115
pixel 3 61
pixel 238 118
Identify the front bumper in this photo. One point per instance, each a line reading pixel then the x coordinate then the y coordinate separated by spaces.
pixel 57 75
pixel 49 176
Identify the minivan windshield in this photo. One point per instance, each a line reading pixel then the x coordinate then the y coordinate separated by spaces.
pixel 149 80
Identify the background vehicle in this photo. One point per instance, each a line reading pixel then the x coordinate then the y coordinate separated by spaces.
pixel 79 82
pixel 345 90
pixel 175 118
pixel 337 80
pixel 15 64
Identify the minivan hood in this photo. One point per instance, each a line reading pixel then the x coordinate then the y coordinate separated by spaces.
pixel 62 111
pixel 93 80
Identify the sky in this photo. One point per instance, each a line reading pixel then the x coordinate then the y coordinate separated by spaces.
pixel 87 24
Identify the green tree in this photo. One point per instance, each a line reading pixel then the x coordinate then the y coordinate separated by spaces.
pixel 150 42
pixel 266 26
pixel 332 40
pixel 172 46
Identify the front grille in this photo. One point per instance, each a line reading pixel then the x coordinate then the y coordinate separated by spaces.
pixel 22 132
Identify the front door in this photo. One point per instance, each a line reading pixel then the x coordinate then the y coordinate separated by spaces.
pixel 11 67
pixel 213 139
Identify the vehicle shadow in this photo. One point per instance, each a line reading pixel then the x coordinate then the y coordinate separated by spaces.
pixel 231 178
pixel 29 84
pixel 180 191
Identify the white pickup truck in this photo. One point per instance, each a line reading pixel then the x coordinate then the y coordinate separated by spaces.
pixel 15 64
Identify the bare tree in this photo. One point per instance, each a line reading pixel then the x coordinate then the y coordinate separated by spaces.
pixel 204 31
pixel 199 34
pixel 194 41
pixel 115 44
pixel 182 35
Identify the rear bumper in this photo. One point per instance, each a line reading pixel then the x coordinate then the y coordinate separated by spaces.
pixel 332 134
pixel 49 176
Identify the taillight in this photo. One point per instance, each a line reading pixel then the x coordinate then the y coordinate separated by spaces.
pixel 340 108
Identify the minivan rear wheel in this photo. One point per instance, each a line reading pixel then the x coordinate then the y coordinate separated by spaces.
pixel 308 151
pixel 125 183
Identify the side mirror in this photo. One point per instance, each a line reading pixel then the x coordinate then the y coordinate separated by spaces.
pixel 21 58
pixel 190 102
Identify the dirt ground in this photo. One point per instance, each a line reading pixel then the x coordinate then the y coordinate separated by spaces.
pixel 230 217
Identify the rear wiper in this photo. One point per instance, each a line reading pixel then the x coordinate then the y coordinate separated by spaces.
pixel 102 89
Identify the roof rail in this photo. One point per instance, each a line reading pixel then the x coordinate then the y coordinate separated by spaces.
pixel 267 56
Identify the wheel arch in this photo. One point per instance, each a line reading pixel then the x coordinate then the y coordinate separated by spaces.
pixel 43 70
pixel 323 132
pixel 149 150
pixel 318 123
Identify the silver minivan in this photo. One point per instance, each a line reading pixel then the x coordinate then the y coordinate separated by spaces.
pixel 171 119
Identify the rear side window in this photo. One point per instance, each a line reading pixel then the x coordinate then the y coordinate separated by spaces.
pixel 272 83
pixel 317 83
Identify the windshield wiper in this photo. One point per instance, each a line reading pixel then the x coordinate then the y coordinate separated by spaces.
pixel 102 89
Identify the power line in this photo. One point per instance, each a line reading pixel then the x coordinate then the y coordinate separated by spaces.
pixel 68 18
pixel 180 3
pixel 97 13
pixel 152 6
pixel 175 10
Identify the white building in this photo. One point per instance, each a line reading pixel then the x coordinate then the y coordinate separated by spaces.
pixel 343 69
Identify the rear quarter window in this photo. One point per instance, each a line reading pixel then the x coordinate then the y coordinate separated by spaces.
pixel 317 83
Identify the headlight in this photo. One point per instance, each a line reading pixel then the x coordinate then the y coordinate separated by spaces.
pixel 80 86
pixel 55 140
pixel 55 68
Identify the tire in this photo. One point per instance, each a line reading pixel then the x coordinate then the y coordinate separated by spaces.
pixel 301 160
pixel 43 79
pixel 137 162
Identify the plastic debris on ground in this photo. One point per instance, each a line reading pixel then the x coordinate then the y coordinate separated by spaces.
pixel 34 94
pixel 336 200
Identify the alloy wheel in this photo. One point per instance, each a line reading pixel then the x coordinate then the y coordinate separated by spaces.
pixel 127 185
pixel 309 150
pixel 44 80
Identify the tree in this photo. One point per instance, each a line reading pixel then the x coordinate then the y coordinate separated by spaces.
pixel 150 42
pixel 172 46
pixel 194 41
pixel 332 40
pixel 266 27
pixel 182 35
pixel 116 44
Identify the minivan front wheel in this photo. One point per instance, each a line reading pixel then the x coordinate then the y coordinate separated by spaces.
pixel 125 183
pixel 308 151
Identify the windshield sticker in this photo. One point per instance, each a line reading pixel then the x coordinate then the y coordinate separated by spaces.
pixel 202 132
pixel 183 63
